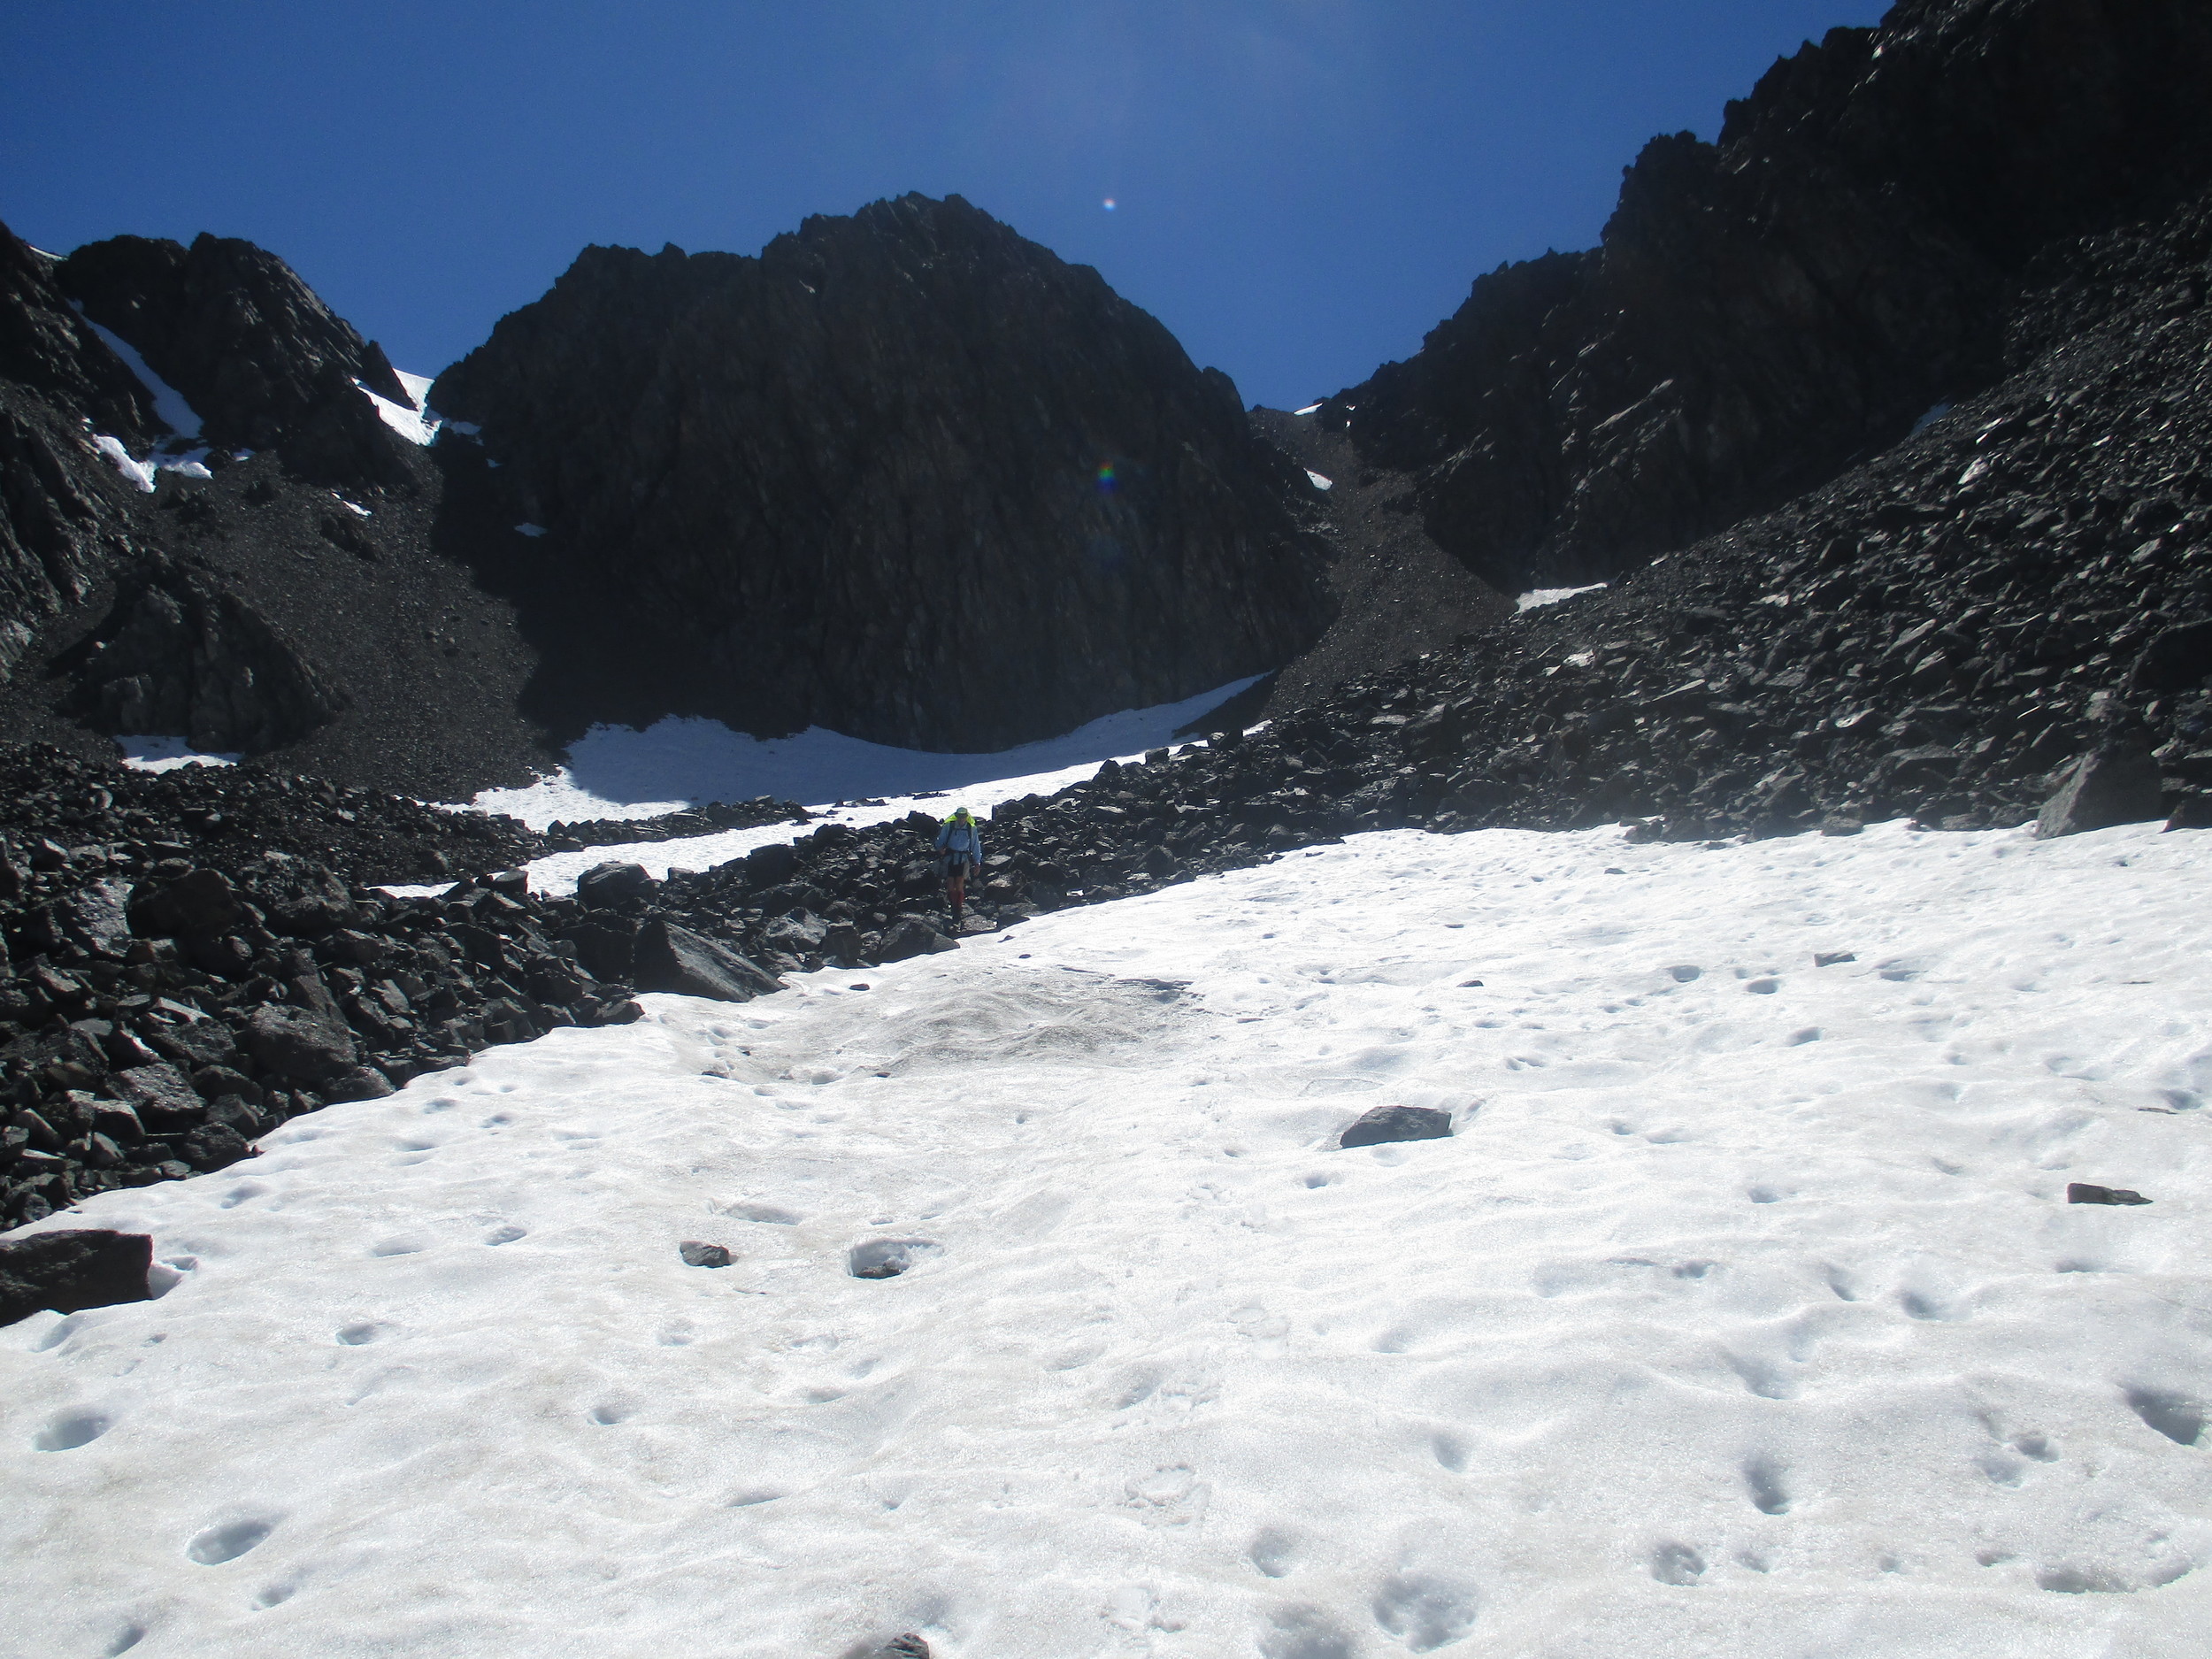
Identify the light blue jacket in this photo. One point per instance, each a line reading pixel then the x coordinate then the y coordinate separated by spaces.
pixel 965 838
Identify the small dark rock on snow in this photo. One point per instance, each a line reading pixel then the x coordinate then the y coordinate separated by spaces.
pixel 884 1258
pixel 2086 1192
pixel 1397 1123
pixel 906 1647
pixel 698 1254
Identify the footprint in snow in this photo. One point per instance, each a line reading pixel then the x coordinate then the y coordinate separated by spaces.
pixel 1423 1611
pixel 1762 1481
pixel 71 1430
pixel 1273 1552
pixel 1677 1563
pixel 228 1541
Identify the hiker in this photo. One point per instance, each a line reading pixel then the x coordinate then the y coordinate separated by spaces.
pixel 961 841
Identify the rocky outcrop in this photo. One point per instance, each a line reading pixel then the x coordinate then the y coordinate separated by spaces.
pixel 1862 244
pixel 905 474
pixel 248 345
pixel 157 585
pixel 177 656
pixel 46 348
pixel 62 519
pixel 188 959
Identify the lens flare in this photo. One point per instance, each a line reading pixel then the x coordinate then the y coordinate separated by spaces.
pixel 1106 475
pixel 1108 204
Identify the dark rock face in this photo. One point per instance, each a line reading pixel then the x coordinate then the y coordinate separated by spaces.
pixel 69 1270
pixel 905 474
pixel 175 655
pixel 251 347
pixel 61 510
pixel 1764 310
pixel 45 346
pixel 292 594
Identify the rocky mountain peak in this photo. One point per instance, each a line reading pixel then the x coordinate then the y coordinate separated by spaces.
pixel 250 346
pixel 905 473
pixel 46 347
pixel 1763 311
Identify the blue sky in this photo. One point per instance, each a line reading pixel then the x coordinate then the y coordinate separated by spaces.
pixel 1303 188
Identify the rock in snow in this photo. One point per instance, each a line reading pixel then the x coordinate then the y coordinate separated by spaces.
pixel 1397 1123
pixel 2116 783
pixel 70 1269
pixel 2086 1192
pixel 671 958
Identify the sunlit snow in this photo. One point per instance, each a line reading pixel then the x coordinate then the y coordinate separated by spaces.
pixel 139 472
pixel 1536 596
pixel 417 424
pixel 169 403
pixel 619 772
pixel 166 754
pixel 1743 1315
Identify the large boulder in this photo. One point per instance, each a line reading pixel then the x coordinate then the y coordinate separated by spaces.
pixel 94 919
pixel 194 904
pixel 667 957
pixel 161 1096
pixel 176 655
pixel 911 936
pixel 294 1043
pixel 70 1269
pixel 612 884
pixel 2116 783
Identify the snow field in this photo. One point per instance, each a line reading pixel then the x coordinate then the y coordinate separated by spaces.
pixel 629 769
pixel 420 425
pixel 1538 597
pixel 616 772
pixel 1743 1314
